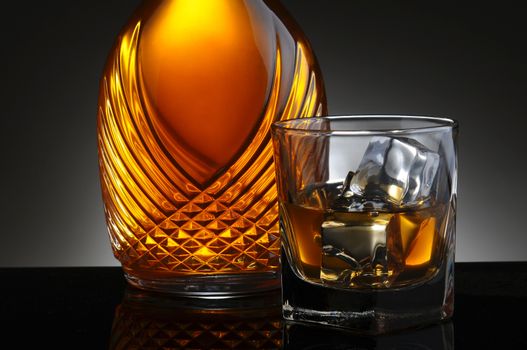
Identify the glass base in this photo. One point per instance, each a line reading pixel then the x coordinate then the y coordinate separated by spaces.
pixel 369 312
pixel 207 285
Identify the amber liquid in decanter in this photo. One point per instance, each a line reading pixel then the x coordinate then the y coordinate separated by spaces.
pixel 186 103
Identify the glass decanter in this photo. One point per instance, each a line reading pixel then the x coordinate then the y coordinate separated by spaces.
pixel 187 99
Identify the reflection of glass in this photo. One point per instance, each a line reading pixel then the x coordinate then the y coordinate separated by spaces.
pixel 185 155
pixel 154 321
pixel 299 336
pixel 367 209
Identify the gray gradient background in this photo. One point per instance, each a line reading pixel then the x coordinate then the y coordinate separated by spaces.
pixel 465 61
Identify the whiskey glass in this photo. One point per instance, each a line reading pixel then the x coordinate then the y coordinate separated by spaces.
pixel 367 217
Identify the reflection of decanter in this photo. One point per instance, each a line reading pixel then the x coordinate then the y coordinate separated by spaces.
pixel 186 102
pixel 154 321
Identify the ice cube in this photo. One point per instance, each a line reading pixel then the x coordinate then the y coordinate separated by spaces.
pixel 319 195
pixel 357 250
pixel 393 171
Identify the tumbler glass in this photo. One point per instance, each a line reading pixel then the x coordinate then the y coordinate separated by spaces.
pixel 367 217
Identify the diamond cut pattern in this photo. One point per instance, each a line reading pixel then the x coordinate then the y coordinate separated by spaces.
pixel 221 241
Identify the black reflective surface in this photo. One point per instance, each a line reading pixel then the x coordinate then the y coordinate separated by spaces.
pixel 91 308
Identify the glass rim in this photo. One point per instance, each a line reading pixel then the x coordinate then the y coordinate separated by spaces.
pixel 443 124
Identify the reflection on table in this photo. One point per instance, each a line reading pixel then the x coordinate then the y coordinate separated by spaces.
pixel 302 336
pixel 155 321
pixel 147 320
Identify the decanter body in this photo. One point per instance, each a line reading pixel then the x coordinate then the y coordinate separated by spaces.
pixel 186 102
